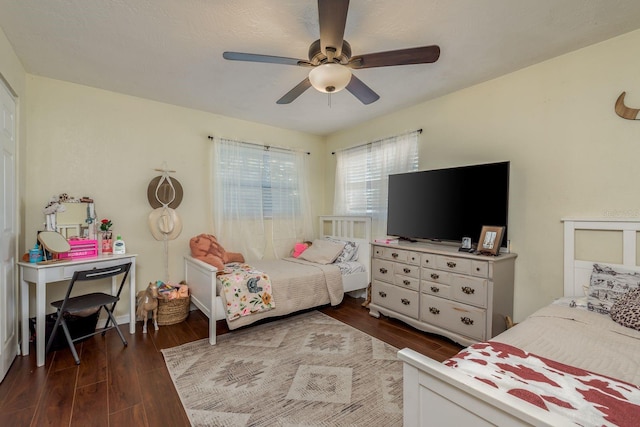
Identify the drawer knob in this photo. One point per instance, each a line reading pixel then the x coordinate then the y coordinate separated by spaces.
pixel 468 290
pixel 434 310
pixel 405 301
pixel 407 270
pixel 466 320
pixel 477 268
pixel 451 264
pixel 413 258
pixel 435 276
pixel 406 282
pixel 426 261
pixel 435 289
pixel 382 294
pixel 394 255
pixel 383 270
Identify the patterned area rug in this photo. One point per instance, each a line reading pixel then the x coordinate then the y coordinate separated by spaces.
pixel 307 370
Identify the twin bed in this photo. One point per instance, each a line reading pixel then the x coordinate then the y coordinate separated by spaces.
pixel 564 365
pixel 297 284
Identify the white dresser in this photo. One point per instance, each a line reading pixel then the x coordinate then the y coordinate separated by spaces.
pixel 437 289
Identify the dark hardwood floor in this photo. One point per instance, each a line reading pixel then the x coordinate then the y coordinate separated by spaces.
pixel 130 386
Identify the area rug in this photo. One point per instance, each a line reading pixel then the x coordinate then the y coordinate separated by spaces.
pixel 306 370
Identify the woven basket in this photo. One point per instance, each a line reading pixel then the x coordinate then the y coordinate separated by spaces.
pixel 172 311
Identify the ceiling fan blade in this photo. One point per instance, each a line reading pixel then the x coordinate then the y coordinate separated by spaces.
pixel 414 55
pixel 361 91
pixel 252 57
pixel 290 96
pixel 332 16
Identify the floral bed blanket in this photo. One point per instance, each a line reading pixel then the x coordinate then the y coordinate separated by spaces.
pixel 245 291
pixel 588 399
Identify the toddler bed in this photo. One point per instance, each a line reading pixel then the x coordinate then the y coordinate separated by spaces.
pixel 297 284
pixel 567 364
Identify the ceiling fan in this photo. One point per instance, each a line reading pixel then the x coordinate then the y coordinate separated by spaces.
pixel 331 61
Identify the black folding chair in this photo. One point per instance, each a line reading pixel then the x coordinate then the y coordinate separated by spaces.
pixel 97 300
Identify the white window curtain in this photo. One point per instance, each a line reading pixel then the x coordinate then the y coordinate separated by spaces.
pixel 260 198
pixel 362 177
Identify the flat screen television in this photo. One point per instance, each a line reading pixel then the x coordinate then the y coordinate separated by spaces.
pixel 449 204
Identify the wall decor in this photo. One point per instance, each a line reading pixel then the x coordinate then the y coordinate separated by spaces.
pixel 624 111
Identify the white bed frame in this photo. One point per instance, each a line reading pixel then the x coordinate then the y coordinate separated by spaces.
pixel 435 395
pixel 201 277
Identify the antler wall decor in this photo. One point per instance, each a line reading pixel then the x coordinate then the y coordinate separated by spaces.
pixel 624 111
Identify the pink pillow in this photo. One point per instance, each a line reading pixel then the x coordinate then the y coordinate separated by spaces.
pixel 299 248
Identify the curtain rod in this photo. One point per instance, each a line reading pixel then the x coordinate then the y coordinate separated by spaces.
pixel 373 142
pixel 266 147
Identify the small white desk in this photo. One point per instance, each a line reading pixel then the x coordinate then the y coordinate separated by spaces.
pixel 41 274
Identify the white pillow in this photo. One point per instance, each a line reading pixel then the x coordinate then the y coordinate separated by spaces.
pixel 349 252
pixel 322 251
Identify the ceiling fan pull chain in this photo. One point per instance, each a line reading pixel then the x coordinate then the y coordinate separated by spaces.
pixel 329 99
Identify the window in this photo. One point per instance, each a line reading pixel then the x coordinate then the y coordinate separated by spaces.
pixel 252 184
pixel 264 182
pixel 362 176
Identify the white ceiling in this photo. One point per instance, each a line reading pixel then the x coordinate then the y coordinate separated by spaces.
pixel 171 50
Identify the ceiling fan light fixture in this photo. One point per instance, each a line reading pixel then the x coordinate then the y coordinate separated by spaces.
pixel 330 78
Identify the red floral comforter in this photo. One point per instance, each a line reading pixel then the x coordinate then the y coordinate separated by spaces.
pixel 587 398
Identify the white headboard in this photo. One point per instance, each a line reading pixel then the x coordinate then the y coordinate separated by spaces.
pixel 578 272
pixel 355 228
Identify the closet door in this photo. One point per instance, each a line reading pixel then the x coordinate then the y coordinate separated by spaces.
pixel 8 292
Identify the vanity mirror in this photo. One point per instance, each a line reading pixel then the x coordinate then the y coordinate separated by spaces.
pixel 53 243
pixel 76 220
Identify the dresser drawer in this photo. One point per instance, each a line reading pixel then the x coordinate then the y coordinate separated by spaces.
pixel 480 268
pixel 395 254
pixel 407 282
pixel 382 270
pixel 428 260
pixel 458 265
pixel 437 289
pixel 403 301
pixel 435 276
pixel 469 290
pixel 407 270
pixel 460 318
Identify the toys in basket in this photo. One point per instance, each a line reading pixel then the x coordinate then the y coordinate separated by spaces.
pixel 173 303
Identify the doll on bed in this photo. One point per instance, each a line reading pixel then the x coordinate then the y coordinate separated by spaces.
pixel 299 248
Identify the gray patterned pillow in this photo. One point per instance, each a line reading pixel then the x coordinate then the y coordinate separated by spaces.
pixel 349 252
pixel 608 284
pixel 626 311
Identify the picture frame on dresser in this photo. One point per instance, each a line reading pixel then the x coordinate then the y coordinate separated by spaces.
pixel 490 240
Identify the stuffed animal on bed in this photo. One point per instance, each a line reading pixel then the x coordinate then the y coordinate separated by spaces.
pixel 205 247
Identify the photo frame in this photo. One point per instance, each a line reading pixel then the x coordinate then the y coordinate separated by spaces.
pixel 465 245
pixel 490 240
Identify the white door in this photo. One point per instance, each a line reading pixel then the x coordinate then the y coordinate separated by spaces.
pixel 8 293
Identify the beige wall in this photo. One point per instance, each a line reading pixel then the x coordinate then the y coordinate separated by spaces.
pixel 570 154
pixel 85 141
